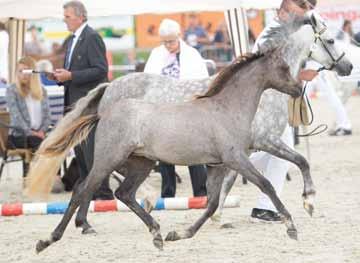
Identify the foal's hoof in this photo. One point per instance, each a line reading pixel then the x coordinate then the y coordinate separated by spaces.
pixel 292 233
pixel 172 236
pixel 88 231
pixel 309 204
pixel 148 207
pixel 309 208
pixel 158 242
pixel 41 245
pixel 227 225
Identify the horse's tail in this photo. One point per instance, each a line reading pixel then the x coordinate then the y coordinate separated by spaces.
pixel 70 131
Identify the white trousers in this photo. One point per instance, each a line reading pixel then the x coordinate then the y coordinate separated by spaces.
pixel 274 169
pixel 325 84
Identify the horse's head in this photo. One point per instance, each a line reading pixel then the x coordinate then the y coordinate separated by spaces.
pixel 325 49
pixel 279 76
pixel 307 37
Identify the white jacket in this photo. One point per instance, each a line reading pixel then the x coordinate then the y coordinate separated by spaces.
pixel 192 65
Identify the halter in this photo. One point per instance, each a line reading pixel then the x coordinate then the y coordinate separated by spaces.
pixel 335 61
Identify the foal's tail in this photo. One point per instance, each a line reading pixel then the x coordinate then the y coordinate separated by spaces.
pixel 70 131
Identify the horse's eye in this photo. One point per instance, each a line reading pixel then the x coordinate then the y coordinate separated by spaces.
pixel 330 41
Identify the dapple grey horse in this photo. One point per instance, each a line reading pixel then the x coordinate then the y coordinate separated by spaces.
pixel 214 129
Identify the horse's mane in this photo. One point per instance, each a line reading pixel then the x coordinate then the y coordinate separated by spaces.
pixel 217 85
pixel 278 33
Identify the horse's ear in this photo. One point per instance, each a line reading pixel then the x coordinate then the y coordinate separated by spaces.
pixel 306 20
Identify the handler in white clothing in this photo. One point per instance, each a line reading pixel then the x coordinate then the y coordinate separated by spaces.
pixel 273 168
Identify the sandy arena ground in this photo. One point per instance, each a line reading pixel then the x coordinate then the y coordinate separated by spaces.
pixel 332 235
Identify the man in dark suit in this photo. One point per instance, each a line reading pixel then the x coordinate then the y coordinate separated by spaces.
pixel 85 67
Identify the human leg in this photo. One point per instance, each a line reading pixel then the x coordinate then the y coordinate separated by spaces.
pixel 168 182
pixel 104 192
pixel 198 179
pixel 328 90
pixel 275 171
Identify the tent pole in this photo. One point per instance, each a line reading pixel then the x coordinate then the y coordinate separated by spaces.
pixel 16 44
pixel 238 28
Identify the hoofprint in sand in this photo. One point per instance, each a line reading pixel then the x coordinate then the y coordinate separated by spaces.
pixel 332 235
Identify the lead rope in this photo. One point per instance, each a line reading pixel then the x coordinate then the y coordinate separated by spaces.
pixel 315 131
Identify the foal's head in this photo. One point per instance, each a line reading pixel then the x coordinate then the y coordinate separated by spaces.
pixel 278 76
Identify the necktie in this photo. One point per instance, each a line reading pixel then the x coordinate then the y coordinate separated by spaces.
pixel 68 50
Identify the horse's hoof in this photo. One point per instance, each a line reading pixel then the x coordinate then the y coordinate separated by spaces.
pixel 309 204
pixel 88 231
pixel 172 236
pixel 158 242
pixel 216 218
pixel 227 225
pixel 309 208
pixel 41 245
pixel 292 233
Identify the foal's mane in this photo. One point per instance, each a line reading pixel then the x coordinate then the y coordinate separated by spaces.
pixel 217 85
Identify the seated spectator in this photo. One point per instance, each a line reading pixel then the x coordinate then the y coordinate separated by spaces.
pixel 176 59
pixel 222 43
pixel 221 37
pixel 195 34
pixel 28 106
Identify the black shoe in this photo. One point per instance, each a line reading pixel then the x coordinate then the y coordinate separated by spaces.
pixel 340 132
pixel 266 216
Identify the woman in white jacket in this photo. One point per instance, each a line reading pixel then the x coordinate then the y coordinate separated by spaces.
pixel 176 59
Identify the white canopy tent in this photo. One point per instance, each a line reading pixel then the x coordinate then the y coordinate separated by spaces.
pixel 37 9
pixel 20 10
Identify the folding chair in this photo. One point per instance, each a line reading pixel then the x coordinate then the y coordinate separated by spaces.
pixel 16 154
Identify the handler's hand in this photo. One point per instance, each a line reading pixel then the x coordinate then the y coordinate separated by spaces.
pixel 307 74
pixel 50 75
pixel 62 75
